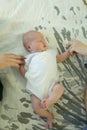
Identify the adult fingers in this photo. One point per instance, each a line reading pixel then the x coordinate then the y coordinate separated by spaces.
pixel 14 56
pixel 13 64
pixel 68 45
pixel 16 61
pixel 72 51
pixel 10 64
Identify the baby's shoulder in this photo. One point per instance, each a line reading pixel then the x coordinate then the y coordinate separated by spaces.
pixel 52 51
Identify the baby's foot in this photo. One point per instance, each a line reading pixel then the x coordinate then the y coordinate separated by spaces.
pixel 45 104
pixel 49 122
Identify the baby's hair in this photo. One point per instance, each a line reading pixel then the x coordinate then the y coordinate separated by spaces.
pixel 29 36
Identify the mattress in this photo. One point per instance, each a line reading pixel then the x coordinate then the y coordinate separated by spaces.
pixel 59 21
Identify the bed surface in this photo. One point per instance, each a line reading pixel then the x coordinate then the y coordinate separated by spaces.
pixel 59 21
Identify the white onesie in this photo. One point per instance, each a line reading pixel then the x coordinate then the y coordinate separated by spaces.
pixel 42 73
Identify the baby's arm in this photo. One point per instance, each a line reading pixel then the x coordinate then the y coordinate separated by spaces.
pixel 62 57
pixel 22 70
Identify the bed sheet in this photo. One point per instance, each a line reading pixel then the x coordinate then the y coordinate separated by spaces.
pixel 59 21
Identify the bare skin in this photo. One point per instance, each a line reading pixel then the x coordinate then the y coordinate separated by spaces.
pixel 41 106
pixel 36 105
pixel 76 46
pixel 55 94
pixel 80 48
pixel 34 41
pixel 10 60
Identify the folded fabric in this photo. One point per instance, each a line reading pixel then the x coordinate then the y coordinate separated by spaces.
pixel 85 128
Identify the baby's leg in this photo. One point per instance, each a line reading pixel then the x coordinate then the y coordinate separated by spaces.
pixel 55 94
pixel 36 104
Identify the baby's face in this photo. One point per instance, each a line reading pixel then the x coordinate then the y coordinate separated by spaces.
pixel 38 44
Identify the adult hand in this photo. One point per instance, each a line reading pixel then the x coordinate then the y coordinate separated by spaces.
pixel 10 60
pixel 76 46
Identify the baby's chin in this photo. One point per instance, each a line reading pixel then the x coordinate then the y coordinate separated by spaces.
pixel 40 50
pixel 44 49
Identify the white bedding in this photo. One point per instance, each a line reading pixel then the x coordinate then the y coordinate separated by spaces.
pixel 59 21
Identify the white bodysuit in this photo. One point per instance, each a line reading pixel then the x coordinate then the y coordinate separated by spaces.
pixel 42 73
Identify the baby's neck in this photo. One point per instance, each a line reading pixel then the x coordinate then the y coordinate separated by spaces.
pixel 39 50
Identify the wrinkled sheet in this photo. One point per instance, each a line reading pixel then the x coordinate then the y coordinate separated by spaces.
pixel 59 21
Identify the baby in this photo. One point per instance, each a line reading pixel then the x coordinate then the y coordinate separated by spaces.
pixel 42 74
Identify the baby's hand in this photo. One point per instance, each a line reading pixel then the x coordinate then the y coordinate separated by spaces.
pixel 22 70
pixel 72 54
pixel 21 67
pixel 68 47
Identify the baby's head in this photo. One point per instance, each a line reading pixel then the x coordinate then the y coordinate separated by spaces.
pixel 34 41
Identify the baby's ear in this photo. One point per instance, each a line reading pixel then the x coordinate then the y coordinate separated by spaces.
pixel 29 48
pixel 45 44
